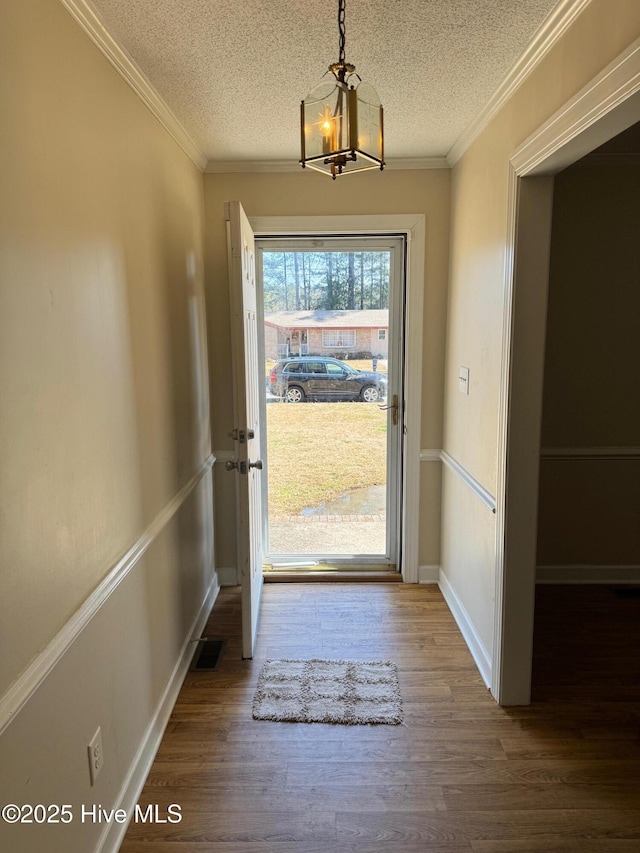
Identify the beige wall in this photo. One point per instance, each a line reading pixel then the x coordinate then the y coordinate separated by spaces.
pixel 307 194
pixel 477 281
pixel 589 509
pixel 104 406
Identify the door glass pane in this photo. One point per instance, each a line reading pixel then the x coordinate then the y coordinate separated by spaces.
pixel 326 333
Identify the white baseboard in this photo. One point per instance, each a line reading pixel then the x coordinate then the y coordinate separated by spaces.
pixel 428 574
pixel 134 782
pixel 227 576
pixel 467 629
pixel 588 574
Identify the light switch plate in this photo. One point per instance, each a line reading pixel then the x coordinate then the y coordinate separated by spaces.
pixel 463 380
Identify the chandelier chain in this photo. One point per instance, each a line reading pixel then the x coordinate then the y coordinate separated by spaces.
pixel 341 30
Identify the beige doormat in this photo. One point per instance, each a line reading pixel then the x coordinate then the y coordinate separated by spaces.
pixel 328 691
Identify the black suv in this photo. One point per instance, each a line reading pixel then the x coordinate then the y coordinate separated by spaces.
pixel 316 378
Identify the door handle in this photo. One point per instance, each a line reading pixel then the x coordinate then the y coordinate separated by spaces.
pixel 393 406
pixel 234 465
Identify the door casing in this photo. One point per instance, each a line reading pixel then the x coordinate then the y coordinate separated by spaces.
pixel 609 104
pixel 412 227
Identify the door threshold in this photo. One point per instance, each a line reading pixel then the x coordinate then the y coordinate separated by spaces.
pixel 331 577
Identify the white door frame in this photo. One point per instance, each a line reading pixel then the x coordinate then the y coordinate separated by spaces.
pixel 413 227
pixel 606 106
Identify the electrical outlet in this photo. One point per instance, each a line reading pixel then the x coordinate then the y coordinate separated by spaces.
pixel 96 756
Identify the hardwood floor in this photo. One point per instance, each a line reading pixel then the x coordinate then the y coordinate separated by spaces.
pixel 462 775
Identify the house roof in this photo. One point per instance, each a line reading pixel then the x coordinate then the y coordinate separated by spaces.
pixel 366 319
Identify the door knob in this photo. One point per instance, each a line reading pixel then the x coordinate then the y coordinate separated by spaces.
pixel 231 464
pixel 393 406
pixel 257 464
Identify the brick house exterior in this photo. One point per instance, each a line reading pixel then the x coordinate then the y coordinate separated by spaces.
pixel 340 334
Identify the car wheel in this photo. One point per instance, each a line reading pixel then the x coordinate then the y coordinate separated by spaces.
pixel 370 394
pixel 294 394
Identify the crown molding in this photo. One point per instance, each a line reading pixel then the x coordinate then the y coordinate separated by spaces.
pixel 603 108
pixel 552 29
pixel 89 20
pixel 228 166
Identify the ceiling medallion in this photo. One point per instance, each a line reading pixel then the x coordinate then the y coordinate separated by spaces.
pixel 341 127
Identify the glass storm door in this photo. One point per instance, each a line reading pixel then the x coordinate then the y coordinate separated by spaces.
pixel 332 403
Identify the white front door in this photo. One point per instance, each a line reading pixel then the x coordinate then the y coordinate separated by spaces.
pixel 247 385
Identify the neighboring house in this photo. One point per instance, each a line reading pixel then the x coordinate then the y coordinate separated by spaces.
pixel 341 334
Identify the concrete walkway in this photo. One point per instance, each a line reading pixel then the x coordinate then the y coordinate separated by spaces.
pixel 354 523
pixel 300 535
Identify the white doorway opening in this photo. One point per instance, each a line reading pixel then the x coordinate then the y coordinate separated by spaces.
pixel 604 108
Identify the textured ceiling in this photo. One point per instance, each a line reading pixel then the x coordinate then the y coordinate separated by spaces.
pixel 234 71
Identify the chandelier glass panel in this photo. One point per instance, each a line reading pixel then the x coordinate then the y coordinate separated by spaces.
pixel 341 120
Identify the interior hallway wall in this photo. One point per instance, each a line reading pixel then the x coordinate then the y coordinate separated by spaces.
pixel 589 508
pixel 479 242
pixel 311 194
pixel 105 415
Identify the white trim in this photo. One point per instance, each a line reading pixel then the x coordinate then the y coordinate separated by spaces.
pixel 552 29
pixel 133 784
pixel 414 312
pixel 469 480
pixel 431 455
pixel 33 676
pixel 587 453
pixel 428 574
pixel 414 226
pixel 467 629
pixel 91 22
pixel 227 575
pixel 223 455
pixel 503 432
pixel 588 574
pixel 336 225
pixel 460 471
pixel 228 166
pixel 578 121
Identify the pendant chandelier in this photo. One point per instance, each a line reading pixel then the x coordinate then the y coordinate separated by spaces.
pixel 341 129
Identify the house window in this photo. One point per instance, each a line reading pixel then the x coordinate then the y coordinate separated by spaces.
pixel 338 338
pixel 382 334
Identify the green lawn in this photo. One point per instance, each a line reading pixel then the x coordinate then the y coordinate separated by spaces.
pixel 319 451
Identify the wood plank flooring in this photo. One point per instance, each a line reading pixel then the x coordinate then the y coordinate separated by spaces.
pixel 461 775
